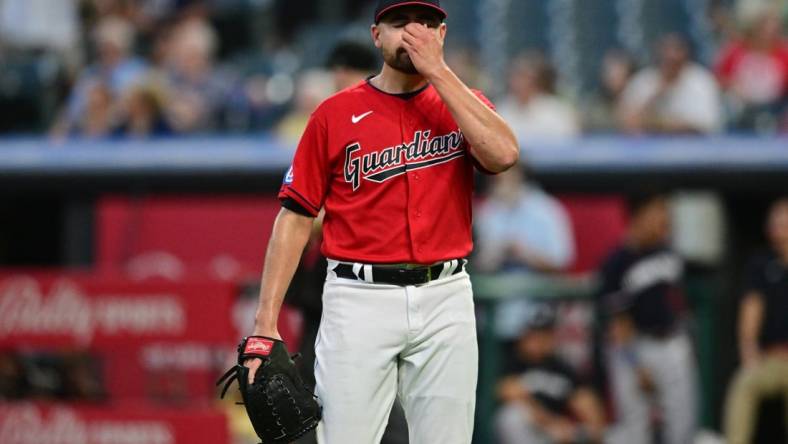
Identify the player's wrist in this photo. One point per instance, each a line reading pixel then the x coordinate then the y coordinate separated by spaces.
pixel 267 330
pixel 437 72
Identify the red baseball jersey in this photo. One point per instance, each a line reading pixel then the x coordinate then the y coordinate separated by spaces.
pixel 394 174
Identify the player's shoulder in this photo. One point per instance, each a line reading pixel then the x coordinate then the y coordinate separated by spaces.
pixel 342 98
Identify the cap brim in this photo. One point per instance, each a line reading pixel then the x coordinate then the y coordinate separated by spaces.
pixel 438 9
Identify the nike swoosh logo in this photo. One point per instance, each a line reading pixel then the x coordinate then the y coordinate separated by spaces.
pixel 356 119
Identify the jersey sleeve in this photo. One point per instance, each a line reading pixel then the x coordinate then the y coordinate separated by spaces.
pixel 490 105
pixel 306 182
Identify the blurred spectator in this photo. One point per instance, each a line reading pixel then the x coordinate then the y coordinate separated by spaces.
pixel 196 89
pixel 142 114
pixel 465 63
pixel 543 401
pixel 97 119
pixel 677 96
pixel 748 9
pixel 650 359
pixel 753 70
pixel 521 228
pixel 312 87
pixel 722 23
pixel 115 68
pixel 351 63
pixel 532 108
pixel 763 334
pixel 39 24
pixel 600 110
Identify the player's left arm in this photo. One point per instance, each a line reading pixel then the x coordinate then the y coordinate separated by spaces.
pixel 492 142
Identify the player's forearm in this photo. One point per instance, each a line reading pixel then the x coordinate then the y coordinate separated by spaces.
pixel 492 142
pixel 290 234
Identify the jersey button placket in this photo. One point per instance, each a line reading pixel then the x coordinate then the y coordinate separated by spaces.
pixel 413 177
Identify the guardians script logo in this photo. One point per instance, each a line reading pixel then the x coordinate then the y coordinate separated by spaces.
pixel 423 152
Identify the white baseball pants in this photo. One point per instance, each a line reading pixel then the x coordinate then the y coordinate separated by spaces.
pixel 377 340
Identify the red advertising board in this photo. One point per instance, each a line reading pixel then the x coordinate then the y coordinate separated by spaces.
pixel 176 237
pixel 108 314
pixel 28 423
pixel 156 340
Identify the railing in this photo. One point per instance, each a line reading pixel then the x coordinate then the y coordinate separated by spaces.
pixel 38 156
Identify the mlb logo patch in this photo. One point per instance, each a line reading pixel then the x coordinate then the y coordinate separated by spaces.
pixel 289 176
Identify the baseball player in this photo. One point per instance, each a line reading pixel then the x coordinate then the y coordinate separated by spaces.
pixel 391 161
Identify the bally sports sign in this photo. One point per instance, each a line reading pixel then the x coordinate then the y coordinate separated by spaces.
pixel 28 423
pixel 88 311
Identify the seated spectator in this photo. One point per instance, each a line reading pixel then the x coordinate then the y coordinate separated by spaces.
pixel 753 70
pixel 40 24
pixel 542 399
pixel 532 107
pixel 142 115
pixel 650 359
pixel 98 117
pixel 312 87
pixel 197 91
pixel 521 228
pixel 600 109
pixel 465 63
pixel 116 68
pixel 677 96
pixel 763 334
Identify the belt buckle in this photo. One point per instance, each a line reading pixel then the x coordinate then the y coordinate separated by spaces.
pixel 412 276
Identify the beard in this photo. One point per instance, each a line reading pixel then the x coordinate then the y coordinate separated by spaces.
pixel 400 60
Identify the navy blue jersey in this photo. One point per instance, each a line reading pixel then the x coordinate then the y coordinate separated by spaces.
pixel 646 285
pixel 551 382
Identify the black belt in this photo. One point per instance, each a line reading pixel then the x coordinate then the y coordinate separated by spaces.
pixel 401 275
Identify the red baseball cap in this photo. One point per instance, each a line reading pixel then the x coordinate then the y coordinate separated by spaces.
pixel 385 6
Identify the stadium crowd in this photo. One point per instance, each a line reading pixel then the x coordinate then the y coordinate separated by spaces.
pixel 121 68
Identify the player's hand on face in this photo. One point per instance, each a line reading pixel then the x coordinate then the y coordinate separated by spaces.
pixel 425 48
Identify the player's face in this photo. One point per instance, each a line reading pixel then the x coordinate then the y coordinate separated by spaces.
pixel 387 34
pixel 778 225
pixel 536 345
pixel 652 223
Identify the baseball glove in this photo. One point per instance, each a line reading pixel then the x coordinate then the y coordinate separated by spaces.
pixel 280 406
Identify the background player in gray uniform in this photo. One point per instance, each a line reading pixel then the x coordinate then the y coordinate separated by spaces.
pixel 651 362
